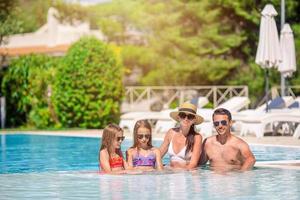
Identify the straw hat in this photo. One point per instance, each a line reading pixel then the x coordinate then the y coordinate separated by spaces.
pixel 188 108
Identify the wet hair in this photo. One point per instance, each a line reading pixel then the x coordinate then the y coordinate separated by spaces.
pixel 108 137
pixel 222 111
pixel 141 124
pixel 190 139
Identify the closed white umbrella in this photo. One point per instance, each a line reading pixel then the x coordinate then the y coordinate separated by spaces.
pixel 287 47
pixel 268 51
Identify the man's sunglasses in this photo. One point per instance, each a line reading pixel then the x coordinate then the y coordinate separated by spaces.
pixel 141 136
pixel 120 138
pixel 183 115
pixel 223 122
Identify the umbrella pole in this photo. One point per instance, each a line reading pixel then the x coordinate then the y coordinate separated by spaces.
pixel 267 88
pixel 282 83
pixel 282 21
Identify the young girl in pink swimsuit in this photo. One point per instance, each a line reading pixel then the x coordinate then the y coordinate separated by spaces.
pixel 142 155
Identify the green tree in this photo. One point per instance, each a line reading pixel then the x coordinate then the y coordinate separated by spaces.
pixel 88 88
pixel 25 86
pixel 191 42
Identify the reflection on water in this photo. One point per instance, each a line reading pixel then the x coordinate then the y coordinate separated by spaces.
pixel 48 167
pixel 260 183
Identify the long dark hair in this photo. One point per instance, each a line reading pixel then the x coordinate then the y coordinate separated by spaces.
pixel 190 139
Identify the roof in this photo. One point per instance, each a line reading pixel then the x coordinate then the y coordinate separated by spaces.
pixel 41 49
pixel 52 38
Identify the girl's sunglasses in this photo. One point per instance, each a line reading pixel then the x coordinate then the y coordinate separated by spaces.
pixel 141 136
pixel 183 115
pixel 223 122
pixel 120 138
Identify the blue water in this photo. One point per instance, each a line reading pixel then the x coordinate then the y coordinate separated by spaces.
pixel 34 153
pixel 51 167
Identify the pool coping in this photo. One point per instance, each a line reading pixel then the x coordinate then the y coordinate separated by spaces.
pixel 97 133
pixel 282 164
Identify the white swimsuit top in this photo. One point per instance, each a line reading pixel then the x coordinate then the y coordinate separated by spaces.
pixel 180 157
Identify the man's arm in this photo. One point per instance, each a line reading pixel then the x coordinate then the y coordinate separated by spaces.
pixel 248 156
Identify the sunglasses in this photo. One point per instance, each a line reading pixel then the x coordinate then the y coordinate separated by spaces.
pixel 183 115
pixel 223 122
pixel 141 136
pixel 120 138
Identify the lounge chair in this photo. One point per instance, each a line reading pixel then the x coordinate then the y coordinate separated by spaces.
pixel 259 121
pixel 297 132
pixel 160 120
pixel 295 103
pixel 277 103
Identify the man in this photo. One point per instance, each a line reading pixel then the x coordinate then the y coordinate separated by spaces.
pixel 224 150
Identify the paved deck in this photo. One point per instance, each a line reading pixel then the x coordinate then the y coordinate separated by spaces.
pixel 267 140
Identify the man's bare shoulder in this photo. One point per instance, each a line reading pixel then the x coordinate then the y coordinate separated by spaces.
pixel 210 139
pixel 239 141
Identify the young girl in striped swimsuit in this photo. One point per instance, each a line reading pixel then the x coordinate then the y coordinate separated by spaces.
pixel 142 155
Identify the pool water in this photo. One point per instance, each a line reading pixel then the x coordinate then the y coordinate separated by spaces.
pixel 50 167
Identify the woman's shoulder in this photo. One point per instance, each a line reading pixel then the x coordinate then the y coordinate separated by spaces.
pixel 172 131
pixel 198 135
pixel 155 150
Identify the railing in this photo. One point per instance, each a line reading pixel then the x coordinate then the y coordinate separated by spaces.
pixel 293 91
pixel 166 95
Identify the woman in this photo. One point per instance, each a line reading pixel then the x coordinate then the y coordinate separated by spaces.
pixel 183 144
pixel 142 155
pixel 110 155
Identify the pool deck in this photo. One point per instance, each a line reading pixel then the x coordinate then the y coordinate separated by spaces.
pixel 267 140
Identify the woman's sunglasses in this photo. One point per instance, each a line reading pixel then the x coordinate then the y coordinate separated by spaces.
pixel 183 115
pixel 141 136
pixel 223 122
pixel 120 138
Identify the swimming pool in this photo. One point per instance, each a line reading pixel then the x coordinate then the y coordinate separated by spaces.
pixel 48 167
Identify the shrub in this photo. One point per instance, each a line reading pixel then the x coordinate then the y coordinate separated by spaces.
pixel 25 88
pixel 88 87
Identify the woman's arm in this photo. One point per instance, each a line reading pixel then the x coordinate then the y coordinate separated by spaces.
pixel 196 152
pixel 104 161
pixel 159 164
pixel 164 146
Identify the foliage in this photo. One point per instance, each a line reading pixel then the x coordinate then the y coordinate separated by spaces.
pixel 192 42
pixel 25 88
pixel 70 13
pixel 8 23
pixel 88 87
pixel 30 15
